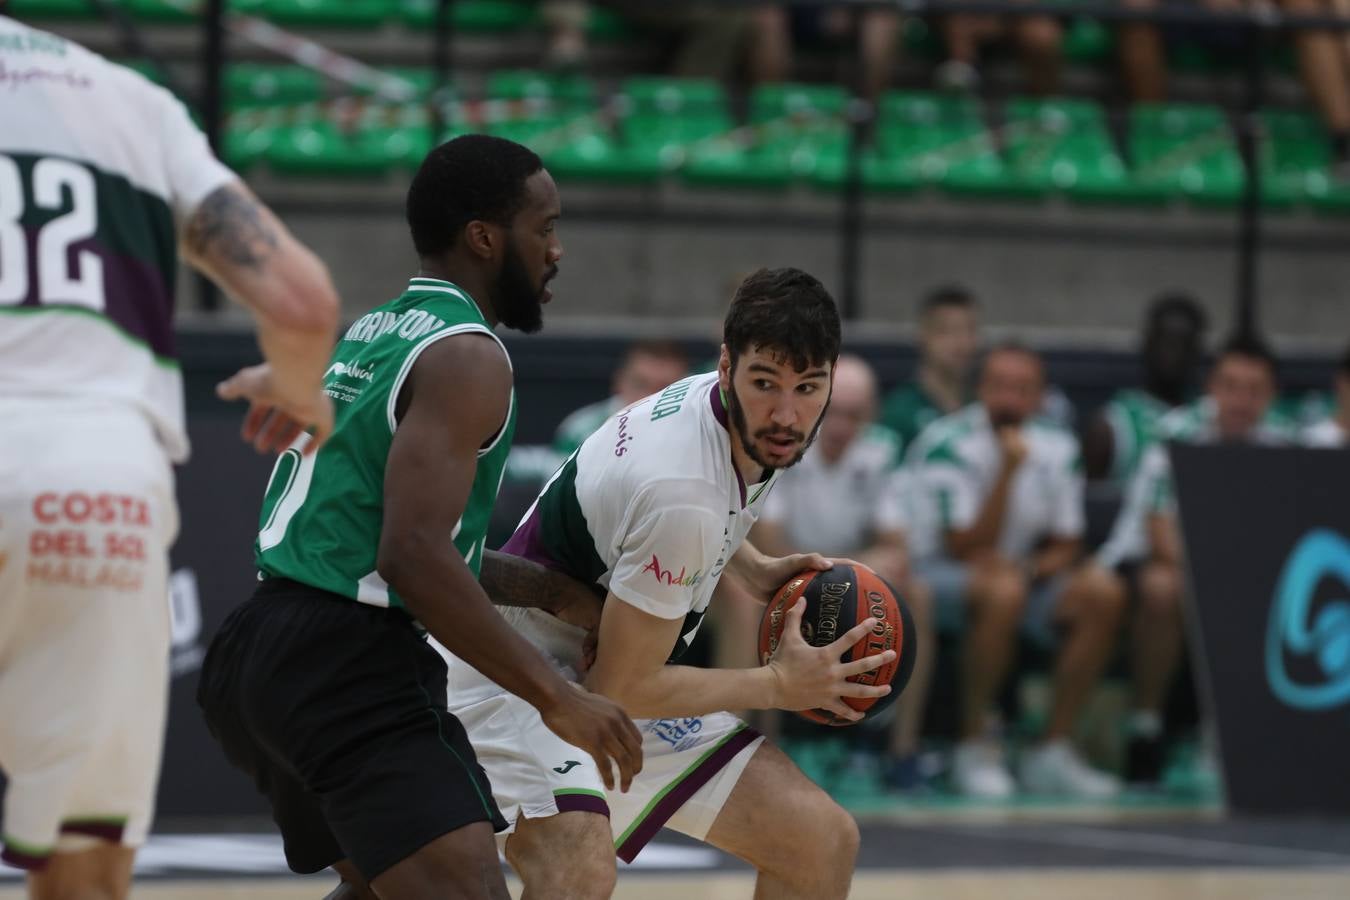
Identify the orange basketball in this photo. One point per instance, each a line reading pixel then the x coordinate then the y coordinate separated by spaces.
pixel 836 600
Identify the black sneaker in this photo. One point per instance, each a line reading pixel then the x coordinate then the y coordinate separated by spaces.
pixel 1144 761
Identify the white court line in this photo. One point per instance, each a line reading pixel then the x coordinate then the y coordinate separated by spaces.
pixel 261 854
pixel 1161 844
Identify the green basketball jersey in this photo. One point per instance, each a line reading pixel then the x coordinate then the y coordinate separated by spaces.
pixel 322 514
pixel 1132 415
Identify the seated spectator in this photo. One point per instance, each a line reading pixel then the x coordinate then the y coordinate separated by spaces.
pixel 1334 430
pixel 1005 489
pixel 844 499
pixel 1145 546
pixel 1324 65
pixel 565 21
pixel 949 342
pixel 780 29
pixel 949 339
pixel 647 367
pixel 1120 434
pixel 1037 38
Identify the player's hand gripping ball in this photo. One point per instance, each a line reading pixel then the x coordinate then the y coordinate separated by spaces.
pixel 836 600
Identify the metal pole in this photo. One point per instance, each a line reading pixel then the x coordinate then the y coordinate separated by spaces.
pixel 440 64
pixel 859 113
pixel 1249 226
pixel 211 110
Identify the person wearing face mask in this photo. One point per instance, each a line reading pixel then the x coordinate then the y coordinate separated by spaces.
pixel 1003 490
pixel 1145 546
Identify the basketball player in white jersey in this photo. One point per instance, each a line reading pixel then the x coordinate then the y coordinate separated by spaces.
pixel 653 509
pixel 103 180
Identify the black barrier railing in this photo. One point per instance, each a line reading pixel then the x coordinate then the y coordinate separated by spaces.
pixel 1259 24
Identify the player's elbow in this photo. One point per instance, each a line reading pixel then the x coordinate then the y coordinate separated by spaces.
pixel 394 562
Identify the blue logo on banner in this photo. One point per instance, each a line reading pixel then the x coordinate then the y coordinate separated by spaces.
pixel 1293 629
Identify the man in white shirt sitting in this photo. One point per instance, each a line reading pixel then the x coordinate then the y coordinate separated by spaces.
pixel 1003 490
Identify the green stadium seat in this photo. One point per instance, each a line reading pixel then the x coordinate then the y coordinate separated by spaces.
pixel 1087 41
pixel 255 84
pixel 1295 152
pixel 485 16
pixel 573 146
pixel 543 89
pixel 1183 149
pixel 662 120
pixel 1061 146
pixel 249 135
pixel 329 13
pixel 51 9
pixel 379 139
pixel 795 132
pixel 939 139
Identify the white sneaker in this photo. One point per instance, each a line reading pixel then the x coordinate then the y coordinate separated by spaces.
pixel 1056 768
pixel 978 771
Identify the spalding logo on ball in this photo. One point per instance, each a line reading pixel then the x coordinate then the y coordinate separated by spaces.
pixel 837 600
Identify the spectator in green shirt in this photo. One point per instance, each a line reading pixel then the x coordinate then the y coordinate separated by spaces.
pixel 949 341
pixel 1173 341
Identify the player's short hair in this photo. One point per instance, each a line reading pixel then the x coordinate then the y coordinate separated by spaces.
pixel 475 177
pixel 669 350
pixel 1249 346
pixel 947 296
pixel 786 312
pixel 1176 303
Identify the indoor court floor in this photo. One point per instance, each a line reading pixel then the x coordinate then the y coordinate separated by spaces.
pixel 1018 857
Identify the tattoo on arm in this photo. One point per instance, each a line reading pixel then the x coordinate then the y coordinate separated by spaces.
pixel 230 225
pixel 512 581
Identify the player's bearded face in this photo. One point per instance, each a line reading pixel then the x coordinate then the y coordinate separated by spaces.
pixel 768 433
pixel 519 298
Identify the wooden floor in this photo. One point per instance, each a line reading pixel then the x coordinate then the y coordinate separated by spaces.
pixel 1019 884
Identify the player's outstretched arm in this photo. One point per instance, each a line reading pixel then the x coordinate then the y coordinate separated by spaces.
pixel 236 240
pixel 634 645
pixel 428 477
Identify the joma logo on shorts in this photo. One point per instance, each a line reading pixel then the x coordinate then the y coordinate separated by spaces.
pixel 668 576
pixel 566 767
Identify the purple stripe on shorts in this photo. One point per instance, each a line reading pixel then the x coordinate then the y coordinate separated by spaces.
pixel 680 793
pixel 527 543
pixel 21 860
pixel 95 828
pixel 581 803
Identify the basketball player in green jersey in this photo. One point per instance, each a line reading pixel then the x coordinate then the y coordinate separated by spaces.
pixel 322 687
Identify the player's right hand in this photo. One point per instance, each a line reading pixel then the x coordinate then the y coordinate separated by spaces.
pixel 814 677
pixel 275 420
pixel 602 729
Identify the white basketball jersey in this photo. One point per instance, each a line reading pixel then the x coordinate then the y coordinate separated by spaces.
pixel 99 168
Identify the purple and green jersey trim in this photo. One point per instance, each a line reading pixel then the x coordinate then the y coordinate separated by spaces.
pixel 674 795
pixel 33 858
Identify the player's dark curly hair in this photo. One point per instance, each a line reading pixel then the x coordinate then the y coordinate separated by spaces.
pixel 786 312
pixel 474 177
